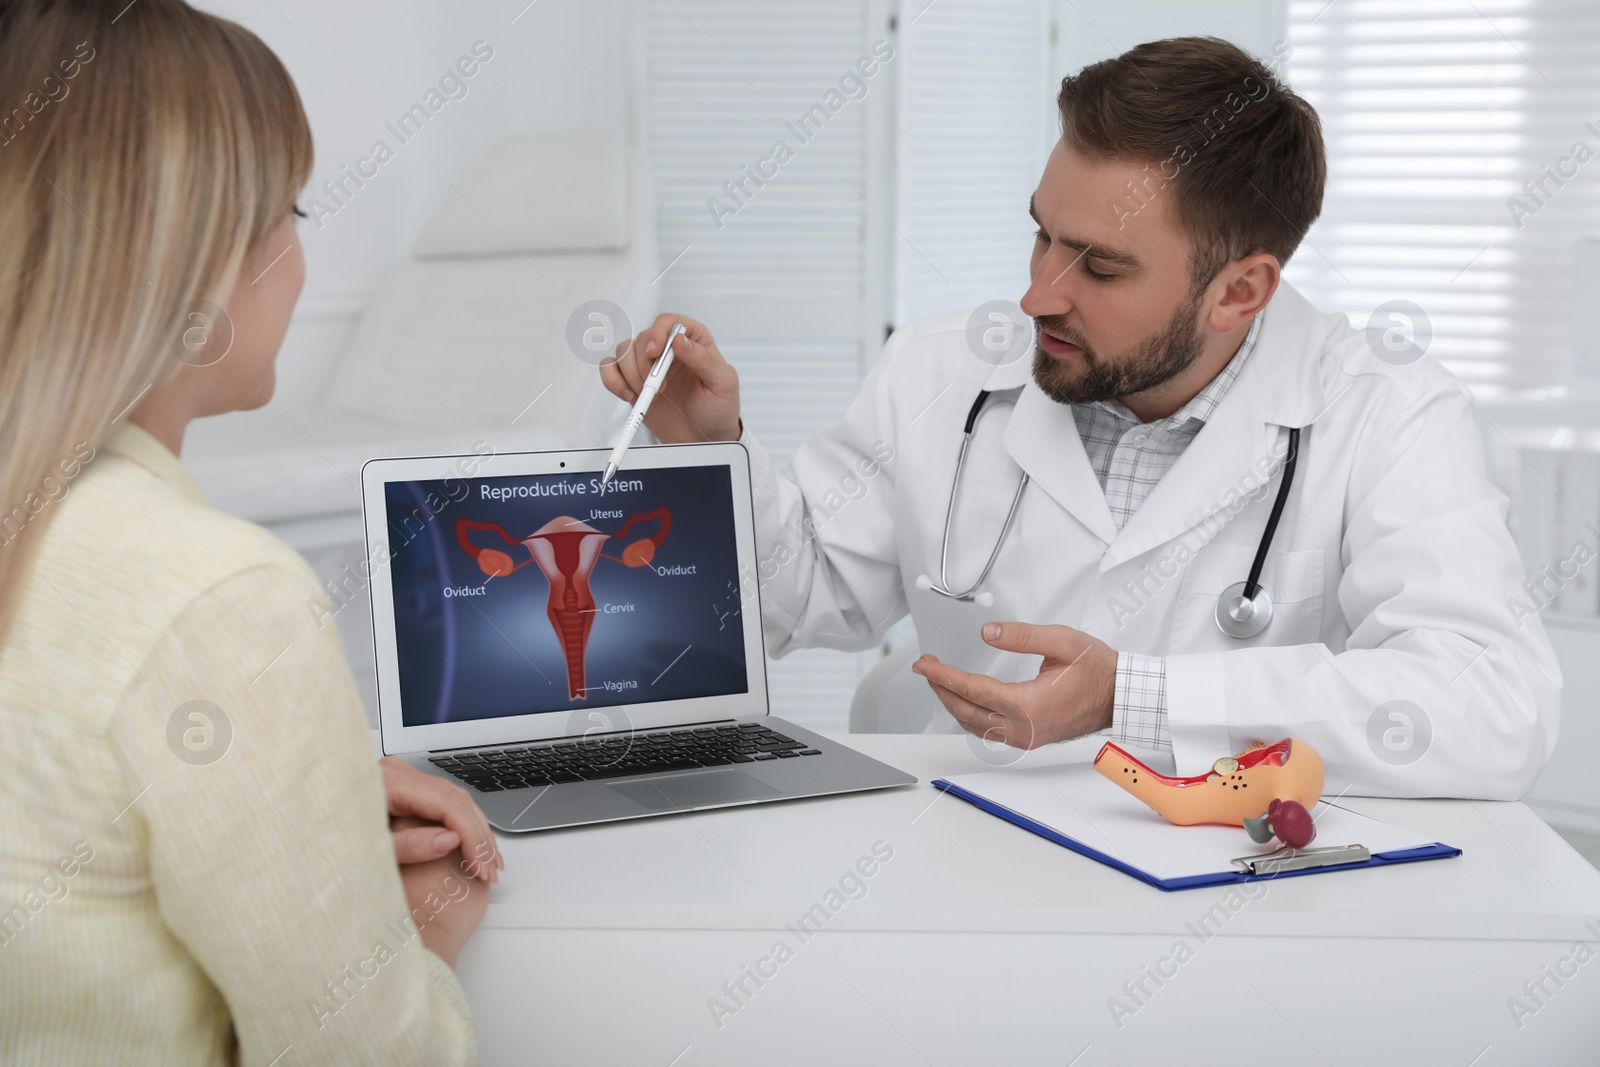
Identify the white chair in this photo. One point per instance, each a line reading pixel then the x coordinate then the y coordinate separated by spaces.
pixel 892 700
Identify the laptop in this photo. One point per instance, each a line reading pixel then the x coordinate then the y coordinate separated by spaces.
pixel 576 653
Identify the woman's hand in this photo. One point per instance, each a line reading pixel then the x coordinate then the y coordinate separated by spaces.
pixel 431 818
pixel 446 902
pixel 698 401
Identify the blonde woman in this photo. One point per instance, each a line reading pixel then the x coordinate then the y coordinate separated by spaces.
pixel 196 862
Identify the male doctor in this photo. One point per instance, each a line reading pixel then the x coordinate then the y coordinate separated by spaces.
pixel 1153 424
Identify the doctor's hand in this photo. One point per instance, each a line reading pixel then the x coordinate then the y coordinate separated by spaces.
pixel 1072 695
pixel 699 401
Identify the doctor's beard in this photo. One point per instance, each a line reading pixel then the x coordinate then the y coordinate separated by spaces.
pixel 1153 362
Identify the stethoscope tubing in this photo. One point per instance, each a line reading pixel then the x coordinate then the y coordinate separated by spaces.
pixel 1252 584
pixel 943 586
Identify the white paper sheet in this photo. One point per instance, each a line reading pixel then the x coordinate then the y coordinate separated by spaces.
pixel 1078 802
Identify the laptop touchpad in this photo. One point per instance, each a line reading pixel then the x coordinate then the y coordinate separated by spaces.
pixel 694 790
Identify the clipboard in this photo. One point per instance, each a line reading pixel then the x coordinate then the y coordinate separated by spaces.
pixel 1106 824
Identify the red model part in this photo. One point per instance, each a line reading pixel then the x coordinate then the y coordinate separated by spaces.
pixel 1277 753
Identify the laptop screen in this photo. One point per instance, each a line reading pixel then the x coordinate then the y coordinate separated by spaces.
pixel 538 593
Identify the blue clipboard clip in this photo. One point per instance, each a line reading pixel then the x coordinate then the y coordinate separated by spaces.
pixel 1289 859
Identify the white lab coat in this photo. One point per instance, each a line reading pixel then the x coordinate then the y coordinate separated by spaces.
pixel 1392 570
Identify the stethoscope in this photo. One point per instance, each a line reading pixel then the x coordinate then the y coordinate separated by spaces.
pixel 1243 610
pixel 971 596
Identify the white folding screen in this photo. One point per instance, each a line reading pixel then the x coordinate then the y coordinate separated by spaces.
pixel 974 131
pixel 779 250
pixel 1099 29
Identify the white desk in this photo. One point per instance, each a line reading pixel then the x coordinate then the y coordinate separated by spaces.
pixel 979 943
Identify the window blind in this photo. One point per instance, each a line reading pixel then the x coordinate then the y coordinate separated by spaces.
pixel 1459 137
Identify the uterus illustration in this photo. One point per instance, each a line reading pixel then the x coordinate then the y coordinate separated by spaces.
pixel 567 550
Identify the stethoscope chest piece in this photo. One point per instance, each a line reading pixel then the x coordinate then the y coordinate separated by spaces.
pixel 1243 617
pixel 1244 609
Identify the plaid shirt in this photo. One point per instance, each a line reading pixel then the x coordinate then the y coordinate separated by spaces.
pixel 1129 458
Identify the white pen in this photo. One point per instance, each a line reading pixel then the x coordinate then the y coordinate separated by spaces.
pixel 652 385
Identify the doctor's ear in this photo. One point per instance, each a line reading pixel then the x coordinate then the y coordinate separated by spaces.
pixel 1241 289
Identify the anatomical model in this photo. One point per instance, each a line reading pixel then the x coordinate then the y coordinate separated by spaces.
pixel 1237 788
pixel 566 550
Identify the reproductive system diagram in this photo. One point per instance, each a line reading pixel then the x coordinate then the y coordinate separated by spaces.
pixel 566 550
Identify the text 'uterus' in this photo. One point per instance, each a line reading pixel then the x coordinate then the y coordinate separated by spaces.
pixel 566 550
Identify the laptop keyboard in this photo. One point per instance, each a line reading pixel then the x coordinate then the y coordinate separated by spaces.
pixel 591 759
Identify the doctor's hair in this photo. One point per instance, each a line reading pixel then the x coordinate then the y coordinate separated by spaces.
pixel 1243 152
pixel 146 150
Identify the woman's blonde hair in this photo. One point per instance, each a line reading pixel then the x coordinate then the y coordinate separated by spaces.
pixel 145 149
